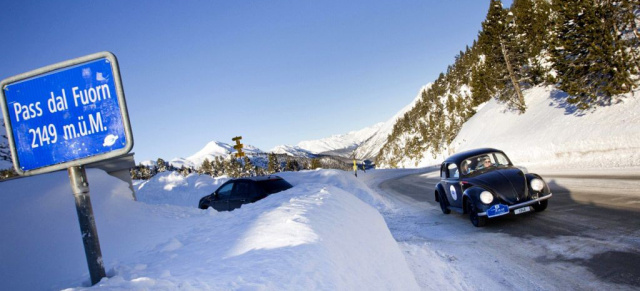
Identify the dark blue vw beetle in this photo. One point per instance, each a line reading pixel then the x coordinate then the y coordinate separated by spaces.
pixel 485 184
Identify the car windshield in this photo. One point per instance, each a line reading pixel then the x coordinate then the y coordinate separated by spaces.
pixel 484 162
pixel 274 186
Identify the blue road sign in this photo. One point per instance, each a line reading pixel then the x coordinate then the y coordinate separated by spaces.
pixel 66 114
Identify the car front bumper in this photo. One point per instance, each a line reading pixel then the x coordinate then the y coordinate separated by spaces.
pixel 523 204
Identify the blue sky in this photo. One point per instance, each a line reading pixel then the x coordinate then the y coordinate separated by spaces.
pixel 275 72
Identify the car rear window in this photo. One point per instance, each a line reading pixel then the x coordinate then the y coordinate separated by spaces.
pixel 274 186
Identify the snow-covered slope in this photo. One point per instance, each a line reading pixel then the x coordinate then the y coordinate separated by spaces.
pixel 338 142
pixel 370 148
pixel 294 151
pixel 323 234
pixel 553 134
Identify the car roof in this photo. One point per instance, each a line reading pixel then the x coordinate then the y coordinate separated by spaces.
pixel 459 157
pixel 259 178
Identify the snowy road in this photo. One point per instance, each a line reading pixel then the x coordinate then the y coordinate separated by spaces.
pixel 587 239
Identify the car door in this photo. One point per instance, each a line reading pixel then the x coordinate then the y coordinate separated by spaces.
pixel 241 194
pixel 221 200
pixel 451 176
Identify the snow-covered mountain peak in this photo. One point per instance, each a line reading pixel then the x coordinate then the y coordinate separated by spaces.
pixel 340 141
pixel 289 150
pixel 210 151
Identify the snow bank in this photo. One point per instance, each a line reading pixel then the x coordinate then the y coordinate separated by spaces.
pixel 317 235
pixel 175 189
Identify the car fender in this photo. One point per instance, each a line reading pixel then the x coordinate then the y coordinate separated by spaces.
pixel 532 176
pixel 440 189
pixel 473 193
pixel 205 202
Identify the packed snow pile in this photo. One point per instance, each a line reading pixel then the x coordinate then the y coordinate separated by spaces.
pixel 175 189
pixel 319 235
pixel 553 134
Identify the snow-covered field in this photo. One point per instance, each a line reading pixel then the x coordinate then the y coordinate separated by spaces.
pixel 326 233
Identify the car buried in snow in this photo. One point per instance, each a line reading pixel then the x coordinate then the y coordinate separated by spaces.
pixel 235 192
pixel 485 184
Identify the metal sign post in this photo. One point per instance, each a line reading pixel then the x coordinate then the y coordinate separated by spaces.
pixel 65 116
pixel 80 188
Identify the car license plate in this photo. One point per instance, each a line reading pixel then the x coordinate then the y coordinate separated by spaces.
pixel 522 210
pixel 497 210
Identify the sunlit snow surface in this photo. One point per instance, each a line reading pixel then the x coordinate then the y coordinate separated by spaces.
pixel 323 234
pixel 553 134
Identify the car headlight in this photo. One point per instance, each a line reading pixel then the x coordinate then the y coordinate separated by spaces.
pixel 537 184
pixel 486 197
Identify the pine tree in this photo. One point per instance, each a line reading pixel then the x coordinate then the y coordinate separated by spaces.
pixel 184 171
pixel 591 56
pixel 315 163
pixel 498 43
pixel 272 165
pixel 289 165
pixel 532 21
pixel 7 173
pixel 480 88
pixel 161 165
pixel 233 168
pixel 248 169
pixel 217 166
pixel 145 173
pixel 5 153
pixel 205 168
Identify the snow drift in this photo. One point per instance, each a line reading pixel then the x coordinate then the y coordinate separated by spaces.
pixel 317 235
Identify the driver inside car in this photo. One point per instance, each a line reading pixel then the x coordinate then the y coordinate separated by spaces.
pixel 486 163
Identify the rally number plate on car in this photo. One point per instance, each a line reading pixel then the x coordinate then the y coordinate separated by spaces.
pixel 497 210
pixel 522 210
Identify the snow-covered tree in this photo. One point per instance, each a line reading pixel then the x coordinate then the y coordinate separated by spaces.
pixel 500 46
pixel 315 163
pixel 272 165
pixel 594 50
pixel 205 168
pixel 161 165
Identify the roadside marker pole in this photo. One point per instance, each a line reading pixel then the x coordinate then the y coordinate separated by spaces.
pixel 80 188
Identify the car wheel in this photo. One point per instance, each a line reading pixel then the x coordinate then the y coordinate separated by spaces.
pixel 443 204
pixel 541 206
pixel 477 221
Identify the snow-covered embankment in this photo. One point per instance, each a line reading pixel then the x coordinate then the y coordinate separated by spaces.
pixel 317 235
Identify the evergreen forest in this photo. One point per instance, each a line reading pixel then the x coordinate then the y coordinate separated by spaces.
pixel 586 48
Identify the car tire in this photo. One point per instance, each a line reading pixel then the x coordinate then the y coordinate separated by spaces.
pixel 541 206
pixel 443 204
pixel 477 221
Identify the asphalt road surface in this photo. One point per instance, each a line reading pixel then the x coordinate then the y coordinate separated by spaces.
pixel 592 223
